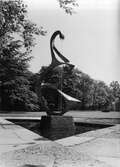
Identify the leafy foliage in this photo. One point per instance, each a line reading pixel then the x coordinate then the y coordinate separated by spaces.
pixel 94 95
pixel 16 95
pixel 17 35
pixel 115 88
pixel 17 84
pixel 68 5
pixel 15 24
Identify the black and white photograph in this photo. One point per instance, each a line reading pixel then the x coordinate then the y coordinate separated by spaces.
pixel 59 83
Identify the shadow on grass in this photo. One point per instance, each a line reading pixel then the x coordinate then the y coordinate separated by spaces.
pixel 29 165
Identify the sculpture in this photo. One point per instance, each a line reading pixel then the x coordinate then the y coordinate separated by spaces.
pixel 54 63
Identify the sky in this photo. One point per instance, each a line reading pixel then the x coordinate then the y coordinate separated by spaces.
pixel 92 36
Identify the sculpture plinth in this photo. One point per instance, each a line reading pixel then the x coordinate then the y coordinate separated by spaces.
pixel 57 127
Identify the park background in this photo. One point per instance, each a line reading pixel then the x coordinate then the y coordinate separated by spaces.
pixel 91 43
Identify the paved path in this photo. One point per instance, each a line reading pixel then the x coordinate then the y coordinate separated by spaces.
pixel 103 144
pixel 20 147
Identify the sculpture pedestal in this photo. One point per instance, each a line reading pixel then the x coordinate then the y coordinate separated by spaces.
pixel 57 127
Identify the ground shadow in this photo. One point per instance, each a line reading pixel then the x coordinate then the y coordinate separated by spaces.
pixel 29 165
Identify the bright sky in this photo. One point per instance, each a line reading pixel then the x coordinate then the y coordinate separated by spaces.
pixel 91 36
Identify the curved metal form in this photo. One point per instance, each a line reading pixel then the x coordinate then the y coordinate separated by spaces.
pixel 54 63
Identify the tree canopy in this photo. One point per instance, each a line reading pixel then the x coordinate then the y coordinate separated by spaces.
pixel 17 36
pixel 17 83
pixel 93 94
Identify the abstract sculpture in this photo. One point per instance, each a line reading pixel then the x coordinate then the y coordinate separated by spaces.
pixel 54 63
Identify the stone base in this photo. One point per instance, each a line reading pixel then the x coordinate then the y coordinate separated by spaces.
pixel 57 127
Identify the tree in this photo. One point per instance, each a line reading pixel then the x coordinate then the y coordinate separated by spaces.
pixel 94 94
pixel 102 96
pixel 17 35
pixel 115 88
pixel 62 78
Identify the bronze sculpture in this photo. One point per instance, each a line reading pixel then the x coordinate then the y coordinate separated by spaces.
pixel 54 63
